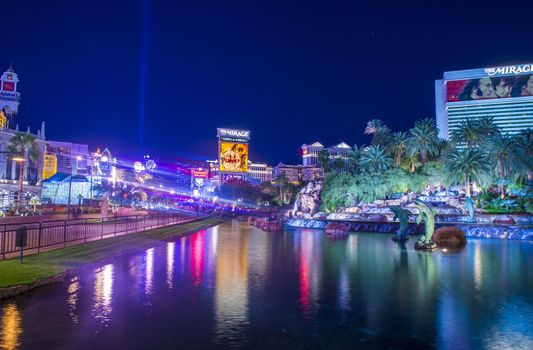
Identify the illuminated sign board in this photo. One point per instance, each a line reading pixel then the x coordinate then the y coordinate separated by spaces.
pixel 490 87
pixel 9 86
pixel 509 70
pixel 229 177
pixel 233 157
pixel 49 165
pixel 233 135
pixel 200 173
pixel 3 119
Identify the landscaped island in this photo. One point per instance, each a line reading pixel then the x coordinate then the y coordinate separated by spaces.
pixel 480 181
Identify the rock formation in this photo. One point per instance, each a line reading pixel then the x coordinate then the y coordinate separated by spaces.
pixel 308 200
pixel 449 237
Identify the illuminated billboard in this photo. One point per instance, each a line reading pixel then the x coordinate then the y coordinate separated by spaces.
pixel 233 157
pixel 49 165
pixel 489 87
pixel 233 135
pixel 200 173
pixel 232 177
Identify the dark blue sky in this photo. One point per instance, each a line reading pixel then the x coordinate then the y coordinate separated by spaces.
pixel 293 72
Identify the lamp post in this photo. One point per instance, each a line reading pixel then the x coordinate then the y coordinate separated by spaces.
pixel 20 160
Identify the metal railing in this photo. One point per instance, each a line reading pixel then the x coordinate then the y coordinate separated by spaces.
pixel 47 235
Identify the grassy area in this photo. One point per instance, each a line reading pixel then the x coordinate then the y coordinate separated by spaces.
pixel 53 262
pixel 504 211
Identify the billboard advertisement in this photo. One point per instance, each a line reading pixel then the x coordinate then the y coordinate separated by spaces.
pixel 9 86
pixel 233 135
pixel 231 177
pixel 49 165
pixel 200 173
pixel 489 87
pixel 233 157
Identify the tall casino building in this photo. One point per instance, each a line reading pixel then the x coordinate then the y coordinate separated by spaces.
pixel 504 93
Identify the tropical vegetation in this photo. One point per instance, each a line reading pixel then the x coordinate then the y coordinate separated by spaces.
pixel 492 167
pixel 23 145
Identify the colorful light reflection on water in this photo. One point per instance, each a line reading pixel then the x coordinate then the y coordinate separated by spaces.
pixel 237 286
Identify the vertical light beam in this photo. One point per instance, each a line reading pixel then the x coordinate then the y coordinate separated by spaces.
pixel 143 68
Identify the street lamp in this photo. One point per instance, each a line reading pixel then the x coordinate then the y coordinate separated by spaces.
pixel 21 160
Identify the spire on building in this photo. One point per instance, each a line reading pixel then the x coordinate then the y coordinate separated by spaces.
pixel 9 97
pixel 42 131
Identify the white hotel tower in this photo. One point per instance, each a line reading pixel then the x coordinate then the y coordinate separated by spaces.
pixel 504 93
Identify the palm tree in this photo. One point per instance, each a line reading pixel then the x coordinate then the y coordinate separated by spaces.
pixel 467 133
pixel 501 151
pixel 323 160
pixel 398 146
pixel 411 162
pixel 487 127
pixel 474 131
pixel 285 189
pixel 467 165
pixel 354 156
pixel 379 131
pixel 374 159
pixel 423 139
pixel 524 152
pixel 338 165
pixel 23 144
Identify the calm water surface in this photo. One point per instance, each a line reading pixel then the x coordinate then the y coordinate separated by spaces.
pixel 236 286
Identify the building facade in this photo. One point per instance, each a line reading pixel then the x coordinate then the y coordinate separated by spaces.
pixel 310 152
pixel 261 172
pixel 298 173
pixel 71 158
pixel 9 98
pixel 257 172
pixel 504 93
pixel 52 156
pixel 56 189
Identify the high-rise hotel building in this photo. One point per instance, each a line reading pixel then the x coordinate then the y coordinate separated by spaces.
pixel 504 93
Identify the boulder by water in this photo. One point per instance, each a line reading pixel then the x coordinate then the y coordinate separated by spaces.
pixel 503 219
pixel 376 217
pixel 336 229
pixel 449 237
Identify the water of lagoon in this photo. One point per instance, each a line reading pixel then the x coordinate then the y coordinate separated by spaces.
pixel 236 286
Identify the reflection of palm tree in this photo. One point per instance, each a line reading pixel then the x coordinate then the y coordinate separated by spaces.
pixel 464 166
pixel 22 144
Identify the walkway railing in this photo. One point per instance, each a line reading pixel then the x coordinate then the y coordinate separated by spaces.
pixel 47 235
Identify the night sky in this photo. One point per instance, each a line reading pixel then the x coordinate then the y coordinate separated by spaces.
pixel 292 72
